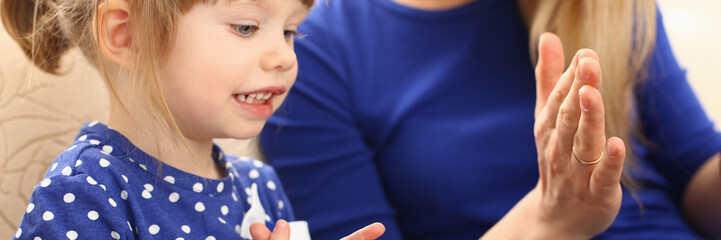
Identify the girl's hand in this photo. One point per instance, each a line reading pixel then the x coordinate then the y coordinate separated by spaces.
pixel 578 194
pixel 282 232
pixel 579 191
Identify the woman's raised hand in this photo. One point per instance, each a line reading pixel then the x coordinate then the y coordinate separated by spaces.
pixel 578 194
pixel 282 232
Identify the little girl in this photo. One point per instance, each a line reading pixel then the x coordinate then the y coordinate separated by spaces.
pixel 180 73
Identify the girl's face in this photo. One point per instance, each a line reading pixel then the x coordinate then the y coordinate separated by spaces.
pixel 231 66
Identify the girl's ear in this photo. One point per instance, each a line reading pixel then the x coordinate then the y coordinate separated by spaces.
pixel 112 32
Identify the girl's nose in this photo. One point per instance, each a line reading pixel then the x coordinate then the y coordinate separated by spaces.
pixel 279 56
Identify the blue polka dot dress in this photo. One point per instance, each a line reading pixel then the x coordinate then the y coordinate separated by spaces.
pixel 103 187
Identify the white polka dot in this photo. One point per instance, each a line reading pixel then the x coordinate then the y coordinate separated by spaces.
pixel 131 160
pixel 83 137
pixel 174 197
pixel 237 228
pixel 107 149
pixel 250 200
pixel 92 123
pixel 104 162
pixel 143 167
pixel 91 180
pixel 30 208
pixel 67 171
pixel 93 215
pixel 267 218
pixel 71 147
pixel 55 165
pixel 180 238
pixel 78 162
pixel 210 238
pixel 112 202
pixel 114 235
pixel 257 163
pixel 72 235
pixel 247 191
pixel 169 179
pixel 220 186
pixel 124 195
pixel 131 228
pixel 69 197
pixel 185 229
pixel 281 204
pixel 45 182
pixel 224 210
pixel 103 187
pixel 125 178
pixel 47 216
pixel 18 233
pixel 148 187
pixel 146 194
pixel 235 198
pixel 253 174
pixel 199 207
pixel 197 187
pixel 94 142
pixel 154 229
pixel 221 220
pixel 271 185
pixel 37 238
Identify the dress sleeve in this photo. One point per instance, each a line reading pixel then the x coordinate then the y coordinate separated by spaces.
pixel 69 207
pixel 681 134
pixel 317 148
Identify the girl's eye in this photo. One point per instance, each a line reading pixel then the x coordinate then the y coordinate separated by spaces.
pixel 245 30
pixel 289 34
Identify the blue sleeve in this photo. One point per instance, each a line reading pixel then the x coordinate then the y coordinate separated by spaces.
pixel 681 134
pixel 317 148
pixel 69 207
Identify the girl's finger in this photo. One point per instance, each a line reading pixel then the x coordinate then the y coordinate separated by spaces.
pixel 549 68
pixel 259 232
pixel 281 231
pixel 370 232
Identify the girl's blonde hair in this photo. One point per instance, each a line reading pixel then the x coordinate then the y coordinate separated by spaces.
pixel 45 29
pixel 622 32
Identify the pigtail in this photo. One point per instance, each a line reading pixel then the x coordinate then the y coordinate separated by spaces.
pixel 36 27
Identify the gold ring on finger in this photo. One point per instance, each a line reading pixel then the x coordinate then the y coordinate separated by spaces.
pixel 587 162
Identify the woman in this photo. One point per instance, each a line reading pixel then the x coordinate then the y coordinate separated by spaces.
pixel 418 114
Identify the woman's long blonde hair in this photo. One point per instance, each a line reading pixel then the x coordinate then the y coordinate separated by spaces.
pixel 622 32
pixel 46 29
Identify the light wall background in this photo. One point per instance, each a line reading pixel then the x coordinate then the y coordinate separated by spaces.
pixel 40 117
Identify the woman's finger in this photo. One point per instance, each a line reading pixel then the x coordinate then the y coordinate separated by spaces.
pixel 259 232
pixel 590 139
pixel 549 68
pixel 281 231
pixel 606 177
pixel 370 232
pixel 547 116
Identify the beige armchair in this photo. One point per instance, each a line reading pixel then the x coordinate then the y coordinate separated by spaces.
pixel 39 117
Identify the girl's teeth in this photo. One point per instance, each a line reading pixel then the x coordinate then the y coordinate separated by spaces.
pixel 241 98
pixel 267 96
pixel 260 96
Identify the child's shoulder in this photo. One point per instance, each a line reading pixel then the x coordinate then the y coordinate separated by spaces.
pixel 92 159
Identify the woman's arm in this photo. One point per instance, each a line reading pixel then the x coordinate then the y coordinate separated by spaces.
pixel 702 201
pixel 572 200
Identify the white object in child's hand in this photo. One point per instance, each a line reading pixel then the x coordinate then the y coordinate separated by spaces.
pixel 256 213
pixel 299 230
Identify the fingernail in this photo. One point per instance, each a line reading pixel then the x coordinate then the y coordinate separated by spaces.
pixel 585 105
pixel 612 151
